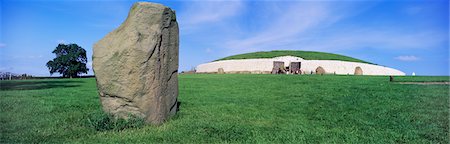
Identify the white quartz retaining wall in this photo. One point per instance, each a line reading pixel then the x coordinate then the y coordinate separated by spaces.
pixel 330 66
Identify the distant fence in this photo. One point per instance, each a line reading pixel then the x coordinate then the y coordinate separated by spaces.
pixel 40 77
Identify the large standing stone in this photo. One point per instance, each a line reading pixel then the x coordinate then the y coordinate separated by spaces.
pixel 136 65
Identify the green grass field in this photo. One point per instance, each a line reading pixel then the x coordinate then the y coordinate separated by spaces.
pixel 240 109
pixel 308 55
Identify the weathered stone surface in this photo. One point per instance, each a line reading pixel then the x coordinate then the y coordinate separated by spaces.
pixel 320 70
pixel 220 71
pixel 358 71
pixel 136 65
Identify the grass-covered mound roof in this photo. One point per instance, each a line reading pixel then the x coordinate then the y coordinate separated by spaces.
pixel 307 55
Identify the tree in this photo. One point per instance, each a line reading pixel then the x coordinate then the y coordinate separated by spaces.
pixel 70 60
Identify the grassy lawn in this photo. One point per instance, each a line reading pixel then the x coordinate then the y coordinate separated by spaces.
pixel 240 109
pixel 307 55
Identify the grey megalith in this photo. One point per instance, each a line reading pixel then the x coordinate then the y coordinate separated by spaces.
pixel 136 65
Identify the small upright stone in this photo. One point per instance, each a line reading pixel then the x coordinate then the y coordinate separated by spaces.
pixel 320 70
pixel 220 71
pixel 136 65
pixel 358 71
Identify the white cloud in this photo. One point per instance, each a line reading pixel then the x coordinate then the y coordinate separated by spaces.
pixel 208 50
pixel 35 57
pixel 61 41
pixel 5 69
pixel 108 26
pixel 379 38
pixel 297 19
pixel 203 12
pixel 28 56
pixel 311 26
pixel 413 10
pixel 407 58
pixel 89 64
pixel 2 45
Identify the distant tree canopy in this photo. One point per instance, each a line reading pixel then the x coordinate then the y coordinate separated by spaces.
pixel 70 60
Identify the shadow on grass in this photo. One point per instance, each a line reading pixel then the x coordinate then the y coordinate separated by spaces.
pixel 32 85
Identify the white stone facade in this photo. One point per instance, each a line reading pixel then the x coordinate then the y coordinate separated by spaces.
pixel 265 65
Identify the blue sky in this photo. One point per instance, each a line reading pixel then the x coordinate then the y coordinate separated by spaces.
pixel 412 36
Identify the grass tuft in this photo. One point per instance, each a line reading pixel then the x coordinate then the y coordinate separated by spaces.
pixel 101 121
